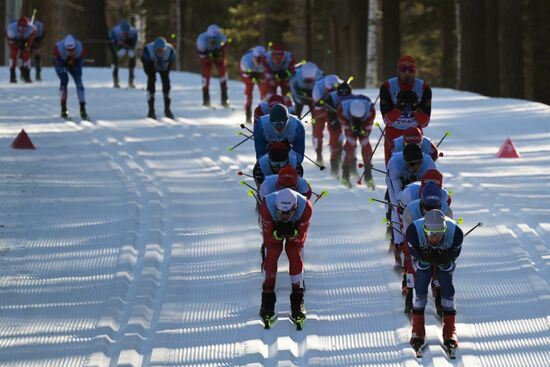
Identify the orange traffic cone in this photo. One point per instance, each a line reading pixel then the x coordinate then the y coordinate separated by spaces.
pixel 22 141
pixel 508 150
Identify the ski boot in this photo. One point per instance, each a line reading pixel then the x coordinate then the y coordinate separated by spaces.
pixel 151 112
pixel 37 76
pixel 224 101
pixel 13 77
pixel 38 68
pixel 131 66
pixel 116 84
pixel 205 97
pixel 449 329
pixel 368 178
pixel 64 112
pixel 26 74
pixel 345 177
pixel 167 112
pixel 319 159
pixel 418 332
pixel 83 113
pixel 248 113
pixel 267 309
pixel 297 309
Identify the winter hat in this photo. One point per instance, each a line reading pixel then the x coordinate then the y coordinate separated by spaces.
pixel 278 117
pixel 406 60
pixel 412 135
pixel 344 89
pixel 288 177
pixel 213 30
pixel 277 49
pixel 69 42
pixel 412 152
pixel 434 220
pixel 258 51
pixel 286 200
pixel 432 175
pixel 278 151
pixel 357 108
pixel 309 70
pixel 124 26
pixel 159 44
pixel 332 81
pixel 275 99
pixel 431 196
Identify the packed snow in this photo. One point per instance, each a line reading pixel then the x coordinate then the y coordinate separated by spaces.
pixel 127 241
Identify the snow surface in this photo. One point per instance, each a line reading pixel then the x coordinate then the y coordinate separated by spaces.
pixel 130 242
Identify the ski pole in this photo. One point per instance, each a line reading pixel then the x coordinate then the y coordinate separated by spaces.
pixel 443 138
pixel 33 15
pixel 383 132
pixel 390 223
pixel 240 133
pixel 361 165
pixel 241 173
pixel 376 100
pixel 383 202
pixel 321 167
pixel 244 183
pixel 236 145
pixel 243 126
pixel 370 158
pixel 479 224
pixel 319 196
pixel 251 193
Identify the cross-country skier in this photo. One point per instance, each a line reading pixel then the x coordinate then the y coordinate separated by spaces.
pixel 356 115
pixel 405 101
pixel 435 242
pixel 413 135
pixel 158 57
pixel 252 73
pixel 212 50
pixel 264 107
pixel 286 178
pixel 301 85
pixel 278 68
pixel 68 58
pixel 279 125
pixel 285 222
pixel 20 36
pixel 35 48
pixel 279 156
pixel 122 41
pixel 320 91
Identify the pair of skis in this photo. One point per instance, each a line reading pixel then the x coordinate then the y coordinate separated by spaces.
pixel 297 322
pixel 449 348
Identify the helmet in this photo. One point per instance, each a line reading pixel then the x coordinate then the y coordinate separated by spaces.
pixel 288 177
pixel 124 26
pixel 412 135
pixel 432 175
pixel 22 22
pixel 412 152
pixel 434 220
pixel 275 99
pixel 331 81
pixel 344 89
pixel 160 44
pixel 278 116
pixel 258 51
pixel 286 200
pixel 406 62
pixel 309 70
pixel 213 30
pixel 357 108
pixel 69 42
pixel 431 196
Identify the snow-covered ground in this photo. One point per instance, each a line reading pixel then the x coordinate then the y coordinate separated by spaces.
pixel 130 242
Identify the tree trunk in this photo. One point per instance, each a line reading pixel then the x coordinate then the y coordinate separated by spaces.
pixel 472 65
pixel 511 44
pixel 371 78
pixel 391 38
pixel 541 51
pixel 492 48
pixel 448 44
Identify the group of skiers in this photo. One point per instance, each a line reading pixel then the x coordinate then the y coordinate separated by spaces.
pixel 426 241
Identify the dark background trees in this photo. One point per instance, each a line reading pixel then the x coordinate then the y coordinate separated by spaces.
pixel 493 47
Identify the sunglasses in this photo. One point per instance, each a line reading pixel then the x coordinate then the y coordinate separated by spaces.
pixel 407 69
pixel 279 125
pixel 278 164
pixel 434 233
pixel 414 163
pixel 288 212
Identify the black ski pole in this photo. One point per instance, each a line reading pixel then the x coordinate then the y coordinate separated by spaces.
pixel 479 224
pixel 443 138
pixel 243 126
pixel 321 167
pixel 236 145
pixel 370 158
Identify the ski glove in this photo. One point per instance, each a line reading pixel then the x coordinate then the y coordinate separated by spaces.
pixel 407 100
pixel 282 74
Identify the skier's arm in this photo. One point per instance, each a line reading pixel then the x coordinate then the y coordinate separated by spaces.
pixel 424 110
pixel 299 145
pixel 260 144
pixel 390 113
